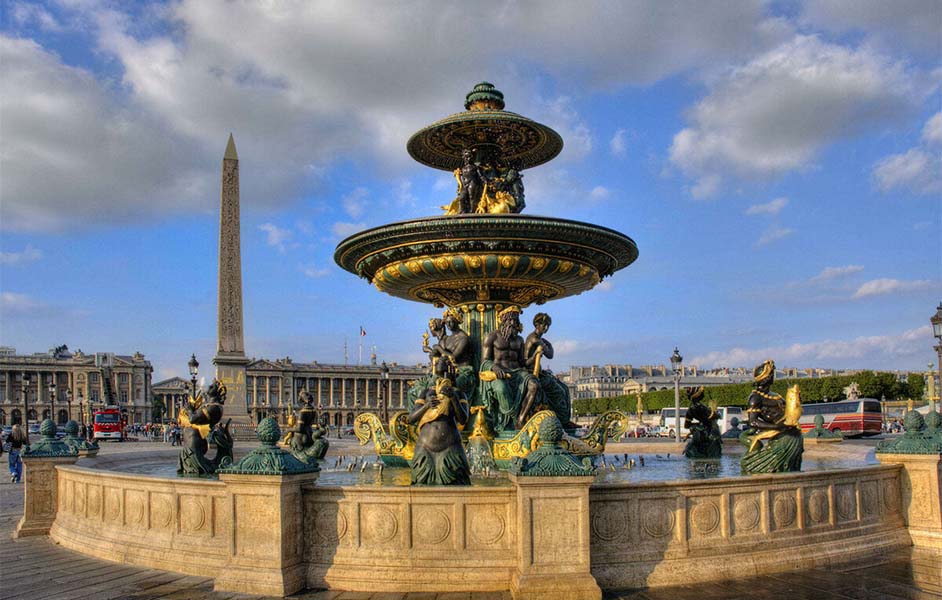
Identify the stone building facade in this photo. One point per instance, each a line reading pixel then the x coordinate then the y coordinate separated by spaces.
pixel 340 392
pixel 82 382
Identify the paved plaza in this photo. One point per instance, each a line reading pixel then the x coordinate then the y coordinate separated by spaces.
pixel 37 569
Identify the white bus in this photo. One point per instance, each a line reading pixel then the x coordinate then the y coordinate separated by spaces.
pixel 726 414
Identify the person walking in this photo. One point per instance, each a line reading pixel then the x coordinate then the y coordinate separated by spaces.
pixel 17 439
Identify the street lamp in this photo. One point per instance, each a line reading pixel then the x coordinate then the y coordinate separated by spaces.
pixel 384 391
pixel 194 366
pixel 676 361
pixel 52 399
pixel 936 321
pixel 68 401
pixel 25 388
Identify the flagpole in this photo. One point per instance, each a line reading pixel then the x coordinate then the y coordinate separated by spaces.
pixel 345 351
pixel 360 350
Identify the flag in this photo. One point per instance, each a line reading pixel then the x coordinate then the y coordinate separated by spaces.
pixel 362 331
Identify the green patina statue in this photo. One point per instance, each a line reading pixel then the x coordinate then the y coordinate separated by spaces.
pixel 439 457
pixel 307 442
pixel 773 440
pixel 79 444
pixel 506 384
pixel 821 433
pixel 704 440
pixel 919 437
pixel 554 393
pixel 200 421
pixel 458 352
pixel 550 459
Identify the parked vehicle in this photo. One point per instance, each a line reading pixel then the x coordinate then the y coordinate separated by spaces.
pixel 860 417
pixel 668 422
pixel 109 424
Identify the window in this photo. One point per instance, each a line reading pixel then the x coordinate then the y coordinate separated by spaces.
pixel 872 406
pixel 106 418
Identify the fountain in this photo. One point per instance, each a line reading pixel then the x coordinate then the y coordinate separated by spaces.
pixel 486 262
pixel 562 519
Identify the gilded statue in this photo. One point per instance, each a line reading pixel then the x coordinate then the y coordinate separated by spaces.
pixel 469 179
pixel 200 421
pixel 457 349
pixel 307 442
pixel 554 393
pixel 438 363
pixel 773 440
pixel 439 457
pixel 704 439
pixel 506 384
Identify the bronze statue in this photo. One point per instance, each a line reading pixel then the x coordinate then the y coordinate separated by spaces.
pixel 704 439
pixel 555 393
pixel 438 364
pixel 773 440
pixel 302 442
pixel 506 384
pixel 200 420
pixel 457 349
pixel 470 184
pixel 439 457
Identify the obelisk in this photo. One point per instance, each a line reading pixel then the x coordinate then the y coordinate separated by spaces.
pixel 230 358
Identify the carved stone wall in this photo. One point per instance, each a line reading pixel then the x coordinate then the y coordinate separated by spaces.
pixel 921 499
pixel 666 533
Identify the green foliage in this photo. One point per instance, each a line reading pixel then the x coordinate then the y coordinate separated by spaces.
pixel 872 385
pixel 157 409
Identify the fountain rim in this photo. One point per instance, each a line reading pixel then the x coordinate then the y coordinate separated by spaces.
pixel 450 224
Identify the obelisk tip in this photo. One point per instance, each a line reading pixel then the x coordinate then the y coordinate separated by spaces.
pixel 231 153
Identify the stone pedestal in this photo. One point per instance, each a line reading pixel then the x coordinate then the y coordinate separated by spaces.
pixel 266 540
pixel 553 543
pixel 921 489
pixel 40 496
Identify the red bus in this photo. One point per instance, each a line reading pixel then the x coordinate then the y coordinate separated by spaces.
pixel 108 424
pixel 860 417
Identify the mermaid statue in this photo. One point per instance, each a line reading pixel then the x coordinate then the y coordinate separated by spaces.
pixel 773 440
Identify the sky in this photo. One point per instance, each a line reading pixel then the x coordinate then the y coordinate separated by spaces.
pixel 779 165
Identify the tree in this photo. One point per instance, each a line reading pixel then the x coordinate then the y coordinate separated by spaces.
pixel 915 386
pixel 157 409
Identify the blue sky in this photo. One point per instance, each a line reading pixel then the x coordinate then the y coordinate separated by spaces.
pixel 777 163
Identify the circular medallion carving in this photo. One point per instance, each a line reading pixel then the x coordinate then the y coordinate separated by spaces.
pixel 746 514
pixel 868 498
pixel 784 510
pixel 890 495
pixel 380 524
pixel 330 524
pixel 94 500
pixel 705 517
pixel 112 504
pixel 610 520
pixel 433 527
pixel 194 515
pixel 818 506
pixel 135 509
pixel 487 528
pixel 657 520
pixel 161 511
pixel 845 504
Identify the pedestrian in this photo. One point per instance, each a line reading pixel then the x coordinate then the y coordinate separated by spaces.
pixel 17 439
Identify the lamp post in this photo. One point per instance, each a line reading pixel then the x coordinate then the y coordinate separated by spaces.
pixel 384 390
pixel 194 366
pixel 25 388
pixel 68 401
pixel 936 321
pixel 676 361
pixel 52 400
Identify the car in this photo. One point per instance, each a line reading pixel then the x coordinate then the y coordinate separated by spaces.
pixel 348 430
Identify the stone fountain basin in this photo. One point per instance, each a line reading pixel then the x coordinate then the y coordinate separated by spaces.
pixel 370 536
pixel 520 259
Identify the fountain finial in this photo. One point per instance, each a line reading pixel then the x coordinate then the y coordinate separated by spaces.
pixel 484 96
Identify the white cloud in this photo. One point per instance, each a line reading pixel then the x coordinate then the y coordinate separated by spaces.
pixel 314 272
pixel 876 348
pixel 769 208
pixel 276 237
pixel 605 286
pixel 914 23
pixel 881 287
pixel 706 187
pixel 618 143
pixel 774 114
pixel 12 303
pixel 354 203
pixel 599 193
pixel 932 131
pixel 343 229
pixel 829 273
pixel 773 234
pixel 916 170
pixel 28 255
pixel 34 15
